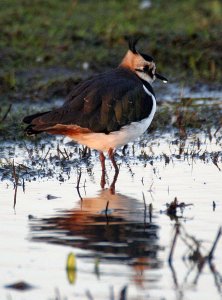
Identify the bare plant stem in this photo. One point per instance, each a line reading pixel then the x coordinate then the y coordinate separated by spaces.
pixel 16 178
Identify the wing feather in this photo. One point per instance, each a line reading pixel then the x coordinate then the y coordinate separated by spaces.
pixel 104 103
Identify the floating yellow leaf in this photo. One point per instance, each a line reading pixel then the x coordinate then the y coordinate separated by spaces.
pixel 71 268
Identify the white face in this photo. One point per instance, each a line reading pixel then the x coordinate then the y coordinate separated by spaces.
pixel 146 71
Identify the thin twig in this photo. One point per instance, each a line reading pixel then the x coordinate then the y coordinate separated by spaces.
pixel 23 185
pixel 173 244
pixel 28 151
pixel 78 182
pixel 16 178
pixel 46 154
pixel 215 133
pixel 211 253
pixel 174 274
pixel 79 178
pixel 106 210
pixel 67 155
pixel 150 212
pixel 123 293
pixel 59 151
pixel 6 113
pixel 144 201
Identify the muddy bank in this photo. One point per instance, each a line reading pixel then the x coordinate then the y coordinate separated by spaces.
pixel 46 83
pixel 56 158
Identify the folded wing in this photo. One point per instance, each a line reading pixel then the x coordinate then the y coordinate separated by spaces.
pixel 104 103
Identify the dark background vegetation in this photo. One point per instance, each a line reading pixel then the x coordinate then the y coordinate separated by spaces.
pixel 47 46
pixel 44 44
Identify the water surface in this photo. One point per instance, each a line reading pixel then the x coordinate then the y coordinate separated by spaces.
pixel 125 246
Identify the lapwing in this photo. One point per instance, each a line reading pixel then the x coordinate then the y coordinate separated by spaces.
pixel 108 110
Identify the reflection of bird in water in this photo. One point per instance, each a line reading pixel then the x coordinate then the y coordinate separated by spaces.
pixel 119 234
pixel 107 111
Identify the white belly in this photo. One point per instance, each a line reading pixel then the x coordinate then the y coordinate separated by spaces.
pixel 116 139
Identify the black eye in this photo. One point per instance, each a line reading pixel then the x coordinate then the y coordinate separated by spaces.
pixel 146 69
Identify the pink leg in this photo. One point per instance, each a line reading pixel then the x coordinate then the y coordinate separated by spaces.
pixel 102 160
pixel 112 158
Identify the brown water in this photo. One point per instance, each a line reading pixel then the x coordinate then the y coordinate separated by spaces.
pixel 125 246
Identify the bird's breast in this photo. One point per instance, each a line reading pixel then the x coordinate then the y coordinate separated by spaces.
pixel 121 137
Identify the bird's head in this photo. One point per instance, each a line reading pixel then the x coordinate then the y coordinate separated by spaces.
pixel 141 64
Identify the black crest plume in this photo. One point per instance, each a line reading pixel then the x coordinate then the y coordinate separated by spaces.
pixel 132 44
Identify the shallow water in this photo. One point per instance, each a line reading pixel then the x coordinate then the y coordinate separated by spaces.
pixel 128 244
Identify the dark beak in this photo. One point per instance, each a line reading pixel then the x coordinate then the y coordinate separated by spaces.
pixel 161 77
